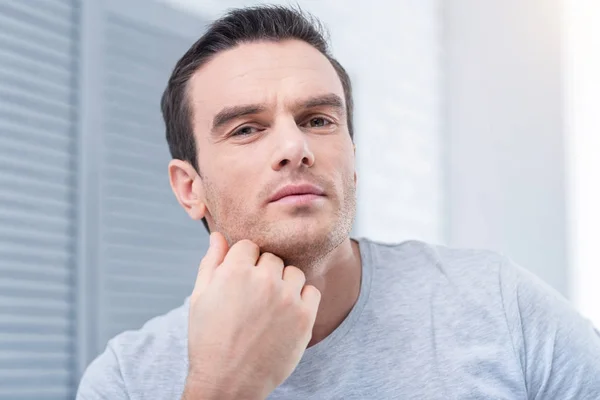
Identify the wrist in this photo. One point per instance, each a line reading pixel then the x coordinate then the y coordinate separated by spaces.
pixel 200 387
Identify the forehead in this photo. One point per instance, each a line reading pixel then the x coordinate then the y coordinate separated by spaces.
pixel 271 73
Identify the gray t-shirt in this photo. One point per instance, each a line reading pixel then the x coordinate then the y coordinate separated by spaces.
pixel 430 323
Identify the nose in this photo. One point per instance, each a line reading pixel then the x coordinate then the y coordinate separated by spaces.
pixel 292 149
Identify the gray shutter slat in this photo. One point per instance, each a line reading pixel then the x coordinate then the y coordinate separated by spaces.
pixel 124 284
pixel 20 164
pixel 19 270
pixel 32 393
pixel 120 110
pixel 58 8
pixel 35 239
pixel 25 255
pixel 128 206
pixel 34 50
pixel 147 253
pixel 134 145
pixel 32 32
pixel 38 132
pixel 37 141
pixel 18 147
pixel 9 182
pixel 30 64
pixel 18 288
pixel 32 84
pixel 137 135
pixel 22 359
pixel 128 235
pixel 15 96
pixel 126 174
pixel 35 378
pixel 25 200
pixel 29 211
pixel 25 114
pixel 52 20
pixel 139 300
pixel 121 91
pixel 149 223
pixel 34 343
pixel 123 66
pixel 141 268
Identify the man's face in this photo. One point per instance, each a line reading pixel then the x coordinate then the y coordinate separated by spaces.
pixel 269 116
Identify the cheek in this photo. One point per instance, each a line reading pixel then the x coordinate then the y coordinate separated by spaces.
pixel 228 166
pixel 337 158
pixel 232 185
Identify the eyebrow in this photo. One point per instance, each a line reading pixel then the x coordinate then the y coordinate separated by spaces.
pixel 228 114
pixel 326 100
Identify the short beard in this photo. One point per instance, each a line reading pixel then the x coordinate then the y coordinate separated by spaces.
pixel 293 247
pixel 309 253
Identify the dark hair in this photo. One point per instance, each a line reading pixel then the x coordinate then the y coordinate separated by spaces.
pixel 243 25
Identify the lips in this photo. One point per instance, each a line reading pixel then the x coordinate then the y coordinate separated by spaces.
pixel 296 190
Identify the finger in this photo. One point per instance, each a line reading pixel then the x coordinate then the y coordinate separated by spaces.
pixel 311 297
pixel 271 262
pixel 294 277
pixel 244 252
pixel 217 250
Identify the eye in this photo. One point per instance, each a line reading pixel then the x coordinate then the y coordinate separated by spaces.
pixel 244 131
pixel 318 122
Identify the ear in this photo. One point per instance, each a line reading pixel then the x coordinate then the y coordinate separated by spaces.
pixel 187 187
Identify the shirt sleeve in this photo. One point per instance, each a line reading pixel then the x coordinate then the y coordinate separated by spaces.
pixel 558 349
pixel 102 379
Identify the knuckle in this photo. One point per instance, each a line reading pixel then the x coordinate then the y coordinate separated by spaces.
pixel 271 258
pixel 294 274
pixel 288 298
pixel 265 277
pixel 247 243
pixel 295 270
pixel 313 291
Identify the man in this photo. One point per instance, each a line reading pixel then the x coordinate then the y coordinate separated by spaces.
pixel 286 305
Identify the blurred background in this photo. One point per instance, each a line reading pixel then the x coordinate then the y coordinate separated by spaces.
pixel 477 125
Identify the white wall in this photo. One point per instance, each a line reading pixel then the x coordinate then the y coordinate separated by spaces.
pixel 506 173
pixel 392 52
pixel 582 78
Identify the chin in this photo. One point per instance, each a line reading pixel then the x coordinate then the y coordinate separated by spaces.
pixel 296 230
pixel 300 242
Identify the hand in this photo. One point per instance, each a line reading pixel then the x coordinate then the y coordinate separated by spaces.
pixel 250 321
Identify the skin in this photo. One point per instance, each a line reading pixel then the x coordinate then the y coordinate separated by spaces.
pixel 244 160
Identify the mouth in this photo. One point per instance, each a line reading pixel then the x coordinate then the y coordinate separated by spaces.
pixel 301 194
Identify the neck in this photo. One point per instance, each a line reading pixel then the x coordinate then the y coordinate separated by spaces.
pixel 338 277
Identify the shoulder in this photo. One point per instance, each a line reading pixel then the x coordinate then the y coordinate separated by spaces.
pixel 165 332
pixel 141 361
pixel 417 259
pixel 476 281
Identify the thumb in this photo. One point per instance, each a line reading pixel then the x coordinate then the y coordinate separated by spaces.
pixel 217 250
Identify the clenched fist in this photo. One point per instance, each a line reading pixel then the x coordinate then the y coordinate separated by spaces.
pixel 250 320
